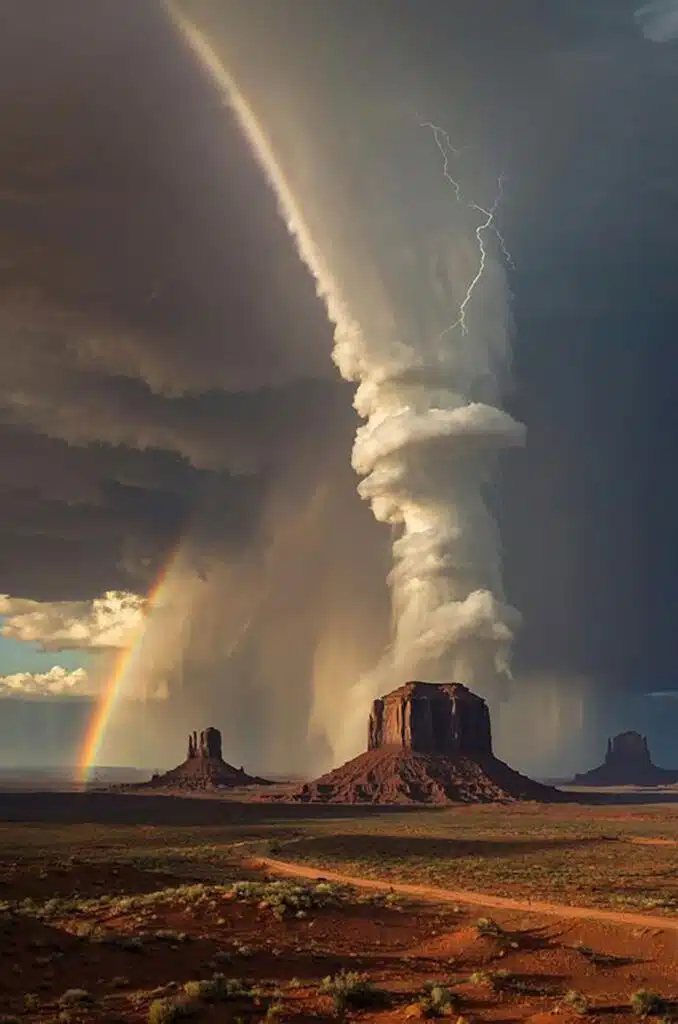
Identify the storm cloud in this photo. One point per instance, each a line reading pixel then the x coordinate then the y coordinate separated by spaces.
pixel 659 20
pixel 166 381
pixel 165 384
pixel 161 352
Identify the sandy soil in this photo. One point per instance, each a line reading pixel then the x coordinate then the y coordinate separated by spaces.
pixel 87 908
pixel 522 972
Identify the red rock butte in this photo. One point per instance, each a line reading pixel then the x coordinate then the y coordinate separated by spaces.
pixel 203 769
pixel 427 743
pixel 627 763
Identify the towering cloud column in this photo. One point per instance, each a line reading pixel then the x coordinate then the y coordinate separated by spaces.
pixel 412 275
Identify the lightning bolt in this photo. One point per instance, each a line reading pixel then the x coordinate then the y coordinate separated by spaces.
pixel 442 141
pixel 240 636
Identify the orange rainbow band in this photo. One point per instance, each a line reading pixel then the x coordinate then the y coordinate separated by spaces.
pixel 101 717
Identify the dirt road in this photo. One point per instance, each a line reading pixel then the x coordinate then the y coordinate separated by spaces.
pixel 430 893
pixel 650 841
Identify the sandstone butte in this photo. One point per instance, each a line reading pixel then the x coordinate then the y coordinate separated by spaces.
pixel 627 763
pixel 428 743
pixel 203 769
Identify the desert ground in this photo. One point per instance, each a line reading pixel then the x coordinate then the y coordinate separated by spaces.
pixel 144 908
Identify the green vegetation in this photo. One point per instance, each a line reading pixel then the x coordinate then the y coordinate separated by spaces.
pixel 217 989
pixel 353 991
pixel 646 1004
pixel 220 989
pixel 75 997
pixel 438 1001
pixel 57 907
pixel 169 1010
pixel 576 1001
pixel 282 898
pixel 488 928
pixel 285 897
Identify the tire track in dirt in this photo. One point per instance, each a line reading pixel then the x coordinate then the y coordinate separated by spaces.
pixel 431 894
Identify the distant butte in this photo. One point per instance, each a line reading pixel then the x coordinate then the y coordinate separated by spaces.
pixel 203 770
pixel 428 743
pixel 627 763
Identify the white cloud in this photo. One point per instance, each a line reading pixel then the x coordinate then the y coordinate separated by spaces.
pixel 57 682
pixel 109 621
pixel 658 20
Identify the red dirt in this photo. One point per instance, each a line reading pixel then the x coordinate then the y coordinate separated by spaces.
pixel 399 948
pixel 651 841
pixel 391 775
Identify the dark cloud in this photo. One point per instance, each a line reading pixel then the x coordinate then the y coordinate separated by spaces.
pixel 163 355
pixel 659 20
pixel 166 385
pixel 164 361
pixel 575 105
pixel 128 199
pixel 44 389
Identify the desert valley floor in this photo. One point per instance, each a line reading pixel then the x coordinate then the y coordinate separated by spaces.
pixel 142 908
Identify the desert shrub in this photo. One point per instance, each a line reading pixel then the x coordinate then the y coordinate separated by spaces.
pixel 168 1011
pixel 576 1000
pixel 75 997
pixel 197 989
pixel 245 951
pixel 438 1001
pixel 171 936
pixel 645 1004
pixel 214 990
pixel 488 928
pixel 283 896
pixel 352 991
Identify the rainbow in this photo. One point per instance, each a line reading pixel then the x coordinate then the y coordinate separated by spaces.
pixel 124 663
